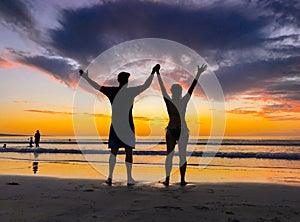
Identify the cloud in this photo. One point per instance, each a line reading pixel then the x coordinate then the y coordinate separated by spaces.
pixel 252 45
pixel 99 115
pixel 284 11
pixel 247 54
pixel 61 69
pixel 241 111
pixel 24 102
pixel 273 110
pixel 139 118
pixel 16 12
pixel 273 116
pixel 260 76
pixel 283 118
pixel 286 88
pixel 47 112
pixel 106 25
pixel 5 64
pixel 17 16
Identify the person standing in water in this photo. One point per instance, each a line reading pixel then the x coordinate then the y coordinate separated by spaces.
pixel 37 137
pixel 177 130
pixel 122 132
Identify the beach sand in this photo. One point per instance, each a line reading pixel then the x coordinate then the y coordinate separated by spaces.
pixel 28 198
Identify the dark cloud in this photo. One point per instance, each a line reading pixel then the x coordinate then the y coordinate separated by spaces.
pixel 86 32
pixel 285 89
pixel 16 12
pixel 284 12
pixel 61 69
pixel 16 15
pixel 260 76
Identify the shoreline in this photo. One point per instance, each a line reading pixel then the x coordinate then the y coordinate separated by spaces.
pixel 30 198
pixel 150 173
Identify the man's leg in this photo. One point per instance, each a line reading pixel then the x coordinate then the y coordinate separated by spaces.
pixel 171 143
pixel 128 162
pixel 112 163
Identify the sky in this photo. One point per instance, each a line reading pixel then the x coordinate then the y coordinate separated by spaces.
pixel 253 48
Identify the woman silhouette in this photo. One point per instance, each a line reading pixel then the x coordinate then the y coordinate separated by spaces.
pixel 177 130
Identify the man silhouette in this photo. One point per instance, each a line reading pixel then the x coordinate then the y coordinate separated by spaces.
pixel 122 133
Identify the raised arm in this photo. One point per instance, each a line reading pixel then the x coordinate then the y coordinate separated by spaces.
pixel 194 83
pixel 147 83
pixel 90 81
pixel 162 86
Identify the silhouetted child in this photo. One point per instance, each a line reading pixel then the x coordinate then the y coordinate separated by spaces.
pixel 31 142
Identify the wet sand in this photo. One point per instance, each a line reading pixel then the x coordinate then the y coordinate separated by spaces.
pixel 30 198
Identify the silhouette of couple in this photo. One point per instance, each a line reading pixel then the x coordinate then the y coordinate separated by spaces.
pixel 122 132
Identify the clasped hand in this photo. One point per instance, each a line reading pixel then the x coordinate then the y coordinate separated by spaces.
pixel 83 74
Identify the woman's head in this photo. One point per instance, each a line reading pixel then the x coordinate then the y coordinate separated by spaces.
pixel 176 91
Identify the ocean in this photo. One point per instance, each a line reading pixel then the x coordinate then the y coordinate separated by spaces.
pixel 234 160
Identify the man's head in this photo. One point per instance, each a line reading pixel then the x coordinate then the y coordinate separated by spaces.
pixel 176 91
pixel 123 77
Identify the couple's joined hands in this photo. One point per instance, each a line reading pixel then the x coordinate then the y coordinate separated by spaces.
pixel 156 69
pixel 83 74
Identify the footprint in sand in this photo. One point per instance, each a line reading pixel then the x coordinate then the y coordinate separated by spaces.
pixel 210 191
pixel 89 190
pixel 13 183
pixel 169 208
pixel 201 207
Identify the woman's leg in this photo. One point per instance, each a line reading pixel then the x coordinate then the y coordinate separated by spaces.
pixel 171 143
pixel 182 146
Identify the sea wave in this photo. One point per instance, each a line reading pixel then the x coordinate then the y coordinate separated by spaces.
pixel 212 142
pixel 260 155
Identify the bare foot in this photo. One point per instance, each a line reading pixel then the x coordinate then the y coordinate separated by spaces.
pixel 183 183
pixel 131 182
pixel 108 181
pixel 166 183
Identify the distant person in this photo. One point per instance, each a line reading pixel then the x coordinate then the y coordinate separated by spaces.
pixel 122 132
pixel 37 137
pixel 4 146
pixel 31 142
pixel 177 130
